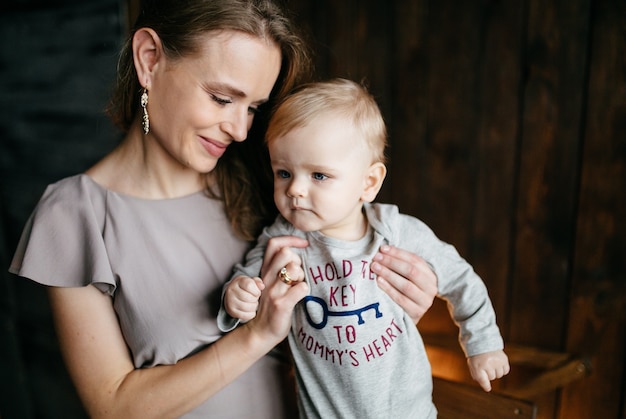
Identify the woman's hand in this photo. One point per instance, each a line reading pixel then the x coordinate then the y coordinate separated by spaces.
pixel 407 279
pixel 279 298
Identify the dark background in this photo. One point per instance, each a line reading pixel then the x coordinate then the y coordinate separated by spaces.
pixel 507 124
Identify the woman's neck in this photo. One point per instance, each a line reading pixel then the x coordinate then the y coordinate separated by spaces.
pixel 142 169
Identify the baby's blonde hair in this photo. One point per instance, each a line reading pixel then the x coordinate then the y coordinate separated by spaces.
pixel 336 97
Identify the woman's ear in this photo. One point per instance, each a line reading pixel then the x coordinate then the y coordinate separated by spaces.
pixel 373 181
pixel 147 51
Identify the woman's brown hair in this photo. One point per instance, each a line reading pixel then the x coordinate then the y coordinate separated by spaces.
pixel 242 175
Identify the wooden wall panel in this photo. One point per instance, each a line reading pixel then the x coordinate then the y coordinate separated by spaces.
pixel 449 159
pixel 556 58
pixel 408 120
pixel 497 137
pixel 597 317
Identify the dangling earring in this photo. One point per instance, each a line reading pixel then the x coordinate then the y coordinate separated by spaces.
pixel 145 121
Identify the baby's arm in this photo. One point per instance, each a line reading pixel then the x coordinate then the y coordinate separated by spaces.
pixel 241 298
pixel 488 366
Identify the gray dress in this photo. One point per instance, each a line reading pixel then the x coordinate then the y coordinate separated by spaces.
pixel 163 262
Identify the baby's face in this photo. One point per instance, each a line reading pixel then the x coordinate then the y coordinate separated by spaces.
pixel 320 174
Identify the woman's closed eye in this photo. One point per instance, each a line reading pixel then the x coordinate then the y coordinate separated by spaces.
pixel 220 100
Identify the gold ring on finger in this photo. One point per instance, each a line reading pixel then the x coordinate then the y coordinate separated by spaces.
pixel 284 276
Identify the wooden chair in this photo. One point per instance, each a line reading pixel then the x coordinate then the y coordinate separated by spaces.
pixel 462 401
pixel 456 400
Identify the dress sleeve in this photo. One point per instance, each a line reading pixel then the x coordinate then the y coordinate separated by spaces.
pixel 62 243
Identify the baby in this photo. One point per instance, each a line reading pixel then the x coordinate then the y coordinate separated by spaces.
pixel 356 352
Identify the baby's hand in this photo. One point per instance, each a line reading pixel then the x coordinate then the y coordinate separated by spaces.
pixel 487 367
pixel 241 299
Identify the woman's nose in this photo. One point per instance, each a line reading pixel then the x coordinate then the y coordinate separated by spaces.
pixel 238 124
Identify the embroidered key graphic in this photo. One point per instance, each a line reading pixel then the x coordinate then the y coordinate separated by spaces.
pixel 328 313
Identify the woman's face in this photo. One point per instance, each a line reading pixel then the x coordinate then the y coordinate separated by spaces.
pixel 198 105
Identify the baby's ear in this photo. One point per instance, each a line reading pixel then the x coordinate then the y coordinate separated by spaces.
pixel 373 181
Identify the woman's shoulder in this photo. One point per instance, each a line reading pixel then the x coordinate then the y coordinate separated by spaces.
pixel 72 194
pixel 65 225
pixel 74 186
pixel 71 200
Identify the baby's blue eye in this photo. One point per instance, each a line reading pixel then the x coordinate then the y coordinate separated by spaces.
pixel 283 174
pixel 319 176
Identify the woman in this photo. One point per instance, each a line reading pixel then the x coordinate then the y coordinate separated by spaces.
pixel 135 250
